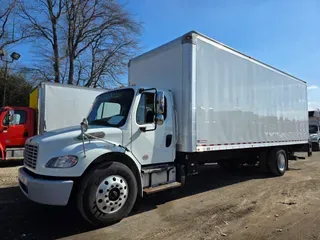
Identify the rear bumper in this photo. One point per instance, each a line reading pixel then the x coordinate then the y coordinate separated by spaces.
pixel 50 192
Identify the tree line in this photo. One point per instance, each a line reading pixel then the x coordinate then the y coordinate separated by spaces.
pixel 79 42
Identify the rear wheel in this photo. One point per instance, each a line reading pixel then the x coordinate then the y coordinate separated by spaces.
pixel 107 194
pixel 277 161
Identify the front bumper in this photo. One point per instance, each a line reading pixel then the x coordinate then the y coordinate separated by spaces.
pixel 50 192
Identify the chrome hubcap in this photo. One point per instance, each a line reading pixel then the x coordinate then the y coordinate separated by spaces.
pixel 281 162
pixel 112 194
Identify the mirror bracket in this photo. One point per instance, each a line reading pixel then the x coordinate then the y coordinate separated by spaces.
pixel 160 103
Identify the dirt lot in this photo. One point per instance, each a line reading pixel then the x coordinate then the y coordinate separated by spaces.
pixel 216 204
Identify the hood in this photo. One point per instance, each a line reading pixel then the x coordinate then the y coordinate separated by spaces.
pixel 313 135
pixel 67 141
pixel 69 135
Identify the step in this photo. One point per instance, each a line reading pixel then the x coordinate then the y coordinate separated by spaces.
pixel 159 168
pixel 162 187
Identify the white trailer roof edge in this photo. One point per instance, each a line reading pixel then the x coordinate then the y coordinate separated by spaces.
pixel 182 38
pixel 42 83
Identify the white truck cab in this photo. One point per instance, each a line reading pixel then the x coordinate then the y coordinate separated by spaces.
pixel 123 131
pixel 206 103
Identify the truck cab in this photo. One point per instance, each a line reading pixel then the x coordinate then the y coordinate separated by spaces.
pixel 132 131
pixel 314 131
pixel 16 126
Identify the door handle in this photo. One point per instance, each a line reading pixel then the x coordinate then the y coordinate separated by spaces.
pixel 168 140
pixel 25 134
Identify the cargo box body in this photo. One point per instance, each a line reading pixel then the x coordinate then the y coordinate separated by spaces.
pixel 60 105
pixel 223 98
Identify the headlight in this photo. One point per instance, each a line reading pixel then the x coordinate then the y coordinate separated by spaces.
pixel 67 161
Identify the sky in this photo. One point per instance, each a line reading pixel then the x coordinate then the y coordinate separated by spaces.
pixel 282 33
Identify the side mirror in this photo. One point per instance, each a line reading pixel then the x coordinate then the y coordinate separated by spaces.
pixel 160 103
pixel 159 119
pixel 84 125
pixel 11 117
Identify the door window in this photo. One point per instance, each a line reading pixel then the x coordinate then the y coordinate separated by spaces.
pixel 145 112
pixel 20 117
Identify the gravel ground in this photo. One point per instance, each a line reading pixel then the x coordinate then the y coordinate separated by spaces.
pixel 215 204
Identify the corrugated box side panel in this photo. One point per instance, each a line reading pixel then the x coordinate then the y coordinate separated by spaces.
pixel 163 68
pixel 241 103
pixel 66 106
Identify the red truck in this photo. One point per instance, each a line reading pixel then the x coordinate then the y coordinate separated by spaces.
pixel 51 106
pixel 13 137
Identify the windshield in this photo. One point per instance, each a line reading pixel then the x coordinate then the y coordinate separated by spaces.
pixel 313 129
pixel 111 108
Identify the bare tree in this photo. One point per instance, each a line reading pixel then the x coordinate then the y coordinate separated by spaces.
pixel 86 41
pixel 101 31
pixel 43 18
pixel 109 60
pixel 9 33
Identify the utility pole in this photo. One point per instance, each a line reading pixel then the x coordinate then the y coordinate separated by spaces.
pixel 5 83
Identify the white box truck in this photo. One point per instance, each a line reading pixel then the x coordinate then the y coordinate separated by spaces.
pixel 190 101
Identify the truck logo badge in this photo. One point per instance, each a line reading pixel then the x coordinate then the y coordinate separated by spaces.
pixel 145 157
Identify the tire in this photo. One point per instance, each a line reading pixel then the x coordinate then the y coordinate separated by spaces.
pixel 277 161
pixel 107 194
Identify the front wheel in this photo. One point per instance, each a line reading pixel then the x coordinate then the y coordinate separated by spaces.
pixel 107 194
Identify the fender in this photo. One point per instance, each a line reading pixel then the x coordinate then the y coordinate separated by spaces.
pixel 2 152
pixel 117 153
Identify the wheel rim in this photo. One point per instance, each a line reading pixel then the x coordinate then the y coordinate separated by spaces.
pixel 112 194
pixel 281 162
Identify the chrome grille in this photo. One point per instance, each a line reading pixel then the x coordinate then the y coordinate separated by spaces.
pixel 30 156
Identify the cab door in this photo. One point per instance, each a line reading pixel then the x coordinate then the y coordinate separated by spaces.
pixel 16 134
pixel 151 143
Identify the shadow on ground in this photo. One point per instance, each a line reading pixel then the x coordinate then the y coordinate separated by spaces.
pixel 10 163
pixel 22 219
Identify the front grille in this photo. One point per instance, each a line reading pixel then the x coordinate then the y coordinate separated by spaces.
pixel 30 156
